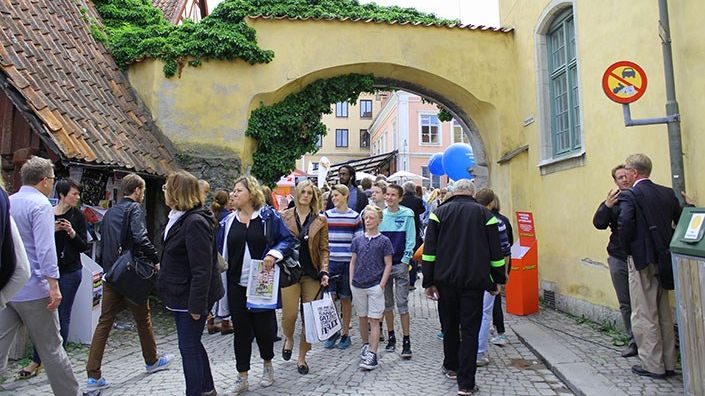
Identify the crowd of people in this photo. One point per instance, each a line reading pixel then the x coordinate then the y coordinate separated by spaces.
pixel 363 245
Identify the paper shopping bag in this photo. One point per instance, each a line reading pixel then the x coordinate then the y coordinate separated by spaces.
pixel 325 317
pixel 309 325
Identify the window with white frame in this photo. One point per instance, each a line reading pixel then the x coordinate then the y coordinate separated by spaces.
pixel 430 181
pixel 341 138
pixel 341 109
pixel 459 135
pixel 563 91
pixel 364 138
pixel 430 129
pixel 319 142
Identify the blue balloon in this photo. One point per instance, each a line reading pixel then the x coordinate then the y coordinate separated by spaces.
pixel 435 164
pixel 457 161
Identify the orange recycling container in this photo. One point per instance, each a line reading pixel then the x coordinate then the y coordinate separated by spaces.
pixel 523 287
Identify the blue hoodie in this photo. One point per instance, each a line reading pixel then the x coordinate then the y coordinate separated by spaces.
pixel 399 227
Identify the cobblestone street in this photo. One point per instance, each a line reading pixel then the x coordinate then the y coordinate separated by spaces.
pixel 513 369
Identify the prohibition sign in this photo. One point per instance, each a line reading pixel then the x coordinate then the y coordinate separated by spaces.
pixel 624 82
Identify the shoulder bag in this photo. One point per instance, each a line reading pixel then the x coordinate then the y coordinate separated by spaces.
pixel 291 270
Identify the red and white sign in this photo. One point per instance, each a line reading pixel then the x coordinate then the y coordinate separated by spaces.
pixel 624 82
pixel 527 232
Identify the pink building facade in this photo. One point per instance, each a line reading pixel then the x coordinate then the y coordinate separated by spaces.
pixel 410 125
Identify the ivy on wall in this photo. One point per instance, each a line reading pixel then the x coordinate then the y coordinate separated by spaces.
pixel 135 29
pixel 289 129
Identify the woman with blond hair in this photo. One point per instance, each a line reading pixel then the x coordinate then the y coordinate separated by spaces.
pixel 189 282
pixel 311 229
pixel 253 231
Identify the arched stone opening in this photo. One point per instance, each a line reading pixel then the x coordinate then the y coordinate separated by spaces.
pixel 462 104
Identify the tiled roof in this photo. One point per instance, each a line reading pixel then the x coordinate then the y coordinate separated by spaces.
pixel 170 8
pixel 72 85
pixel 348 19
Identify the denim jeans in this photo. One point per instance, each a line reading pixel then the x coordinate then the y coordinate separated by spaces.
pixel 68 285
pixel 483 337
pixel 194 358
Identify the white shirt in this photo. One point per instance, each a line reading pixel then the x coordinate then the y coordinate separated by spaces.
pixel 174 215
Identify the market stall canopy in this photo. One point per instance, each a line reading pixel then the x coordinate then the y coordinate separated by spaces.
pixel 72 92
pixel 370 165
pixel 405 175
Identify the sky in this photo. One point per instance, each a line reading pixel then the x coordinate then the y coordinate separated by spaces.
pixel 476 12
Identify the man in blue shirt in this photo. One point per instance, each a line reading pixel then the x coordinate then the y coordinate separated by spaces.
pixel 36 303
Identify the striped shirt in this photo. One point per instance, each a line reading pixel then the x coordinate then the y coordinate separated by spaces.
pixel 342 228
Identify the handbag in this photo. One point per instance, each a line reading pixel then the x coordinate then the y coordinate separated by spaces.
pixel 291 270
pixel 321 319
pixel 131 275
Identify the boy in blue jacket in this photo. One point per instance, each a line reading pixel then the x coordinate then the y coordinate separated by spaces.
pixel 398 225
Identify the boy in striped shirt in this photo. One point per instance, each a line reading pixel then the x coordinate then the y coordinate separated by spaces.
pixel 344 224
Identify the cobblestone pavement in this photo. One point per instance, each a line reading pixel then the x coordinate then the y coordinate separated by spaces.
pixel 596 349
pixel 513 370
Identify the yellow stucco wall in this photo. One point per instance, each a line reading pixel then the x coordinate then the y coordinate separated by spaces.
pixel 490 77
pixel 211 104
pixel 564 202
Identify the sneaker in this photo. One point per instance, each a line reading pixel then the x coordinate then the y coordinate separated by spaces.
pixel 439 335
pixel 406 349
pixel 330 343
pixel 493 331
pixel 97 384
pixel 344 342
pixel 267 376
pixel 450 374
pixel 161 364
pixel 391 344
pixel 369 362
pixel 500 340
pixel 241 385
pixel 364 350
pixel 483 361
pixel 467 392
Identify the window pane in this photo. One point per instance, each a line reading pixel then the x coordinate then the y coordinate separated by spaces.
pixel 365 109
pixel 570 31
pixel 364 138
pixel 575 104
pixel 341 109
pixel 341 138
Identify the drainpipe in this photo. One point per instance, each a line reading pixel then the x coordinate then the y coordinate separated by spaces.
pixel 675 143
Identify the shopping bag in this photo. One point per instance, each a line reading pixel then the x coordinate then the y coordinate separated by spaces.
pixel 262 287
pixel 321 319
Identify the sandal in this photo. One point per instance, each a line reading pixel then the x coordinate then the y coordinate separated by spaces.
pixel 25 374
pixel 303 368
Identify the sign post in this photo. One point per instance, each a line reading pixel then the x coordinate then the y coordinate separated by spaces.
pixel 523 288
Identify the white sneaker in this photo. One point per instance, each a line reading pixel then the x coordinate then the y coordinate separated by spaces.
pixel 267 376
pixel 500 340
pixel 159 365
pixel 483 361
pixel 241 385
pixel 364 350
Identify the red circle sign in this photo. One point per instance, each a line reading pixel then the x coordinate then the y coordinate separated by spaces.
pixel 624 82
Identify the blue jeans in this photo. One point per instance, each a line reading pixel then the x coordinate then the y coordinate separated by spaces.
pixel 194 358
pixel 483 337
pixel 68 285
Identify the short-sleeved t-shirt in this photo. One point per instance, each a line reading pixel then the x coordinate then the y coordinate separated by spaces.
pixel 369 265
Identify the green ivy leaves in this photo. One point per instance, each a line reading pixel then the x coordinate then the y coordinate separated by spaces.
pixel 289 129
pixel 135 29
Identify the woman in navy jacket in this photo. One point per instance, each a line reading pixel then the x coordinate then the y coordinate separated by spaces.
pixel 253 231
pixel 189 281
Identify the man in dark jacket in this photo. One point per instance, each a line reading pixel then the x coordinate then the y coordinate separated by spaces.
pixel 133 188
pixel 357 200
pixel 606 216
pixel 462 258
pixel 645 225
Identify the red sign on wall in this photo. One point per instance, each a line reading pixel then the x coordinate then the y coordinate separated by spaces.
pixel 527 232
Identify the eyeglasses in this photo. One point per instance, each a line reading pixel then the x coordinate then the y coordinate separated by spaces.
pixel 51 177
pixel 164 187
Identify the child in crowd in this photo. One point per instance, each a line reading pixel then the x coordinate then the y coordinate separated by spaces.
pixel 370 269
pixel 344 224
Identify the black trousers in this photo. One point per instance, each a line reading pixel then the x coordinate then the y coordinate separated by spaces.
pixel 248 324
pixel 461 311
pixel 498 314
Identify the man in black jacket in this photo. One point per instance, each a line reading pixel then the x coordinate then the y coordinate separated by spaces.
pixel 462 258
pixel 606 216
pixel 645 225
pixel 133 188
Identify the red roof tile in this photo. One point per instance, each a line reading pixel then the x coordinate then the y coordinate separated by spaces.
pixel 74 88
pixel 172 9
